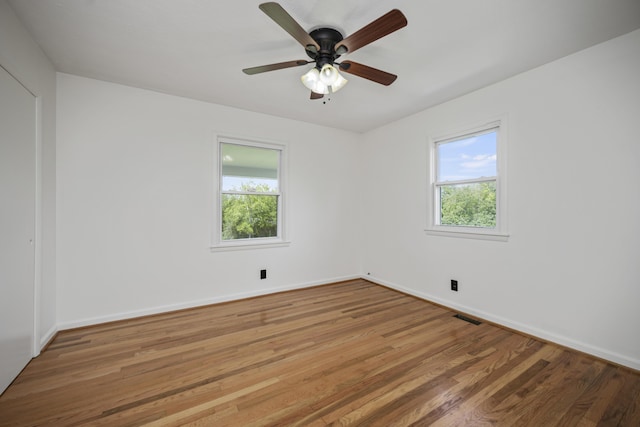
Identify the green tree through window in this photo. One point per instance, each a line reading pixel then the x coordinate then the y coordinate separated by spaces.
pixel 249 216
pixel 471 205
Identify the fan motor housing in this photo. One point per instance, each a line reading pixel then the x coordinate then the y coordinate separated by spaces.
pixel 327 38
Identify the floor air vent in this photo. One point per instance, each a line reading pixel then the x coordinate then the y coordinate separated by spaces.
pixel 467 319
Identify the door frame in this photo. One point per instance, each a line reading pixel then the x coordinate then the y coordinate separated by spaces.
pixel 37 226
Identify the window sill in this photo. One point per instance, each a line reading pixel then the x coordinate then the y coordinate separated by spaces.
pixel 246 245
pixel 468 234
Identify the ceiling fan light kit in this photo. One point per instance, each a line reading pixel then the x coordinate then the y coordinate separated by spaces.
pixel 327 80
pixel 325 45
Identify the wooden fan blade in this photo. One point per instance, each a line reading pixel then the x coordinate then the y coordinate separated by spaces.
pixel 315 95
pixel 282 18
pixel 386 24
pixel 272 67
pixel 368 73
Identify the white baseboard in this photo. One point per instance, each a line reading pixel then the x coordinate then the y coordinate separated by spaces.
pixel 534 332
pixel 191 304
pixel 47 337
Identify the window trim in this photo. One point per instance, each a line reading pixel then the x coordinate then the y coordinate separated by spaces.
pixel 256 243
pixel 499 233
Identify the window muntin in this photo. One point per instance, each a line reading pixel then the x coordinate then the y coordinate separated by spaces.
pixel 250 204
pixel 467 190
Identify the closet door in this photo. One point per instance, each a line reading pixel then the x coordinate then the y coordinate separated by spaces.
pixel 17 226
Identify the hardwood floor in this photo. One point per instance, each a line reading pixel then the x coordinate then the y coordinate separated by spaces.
pixel 351 353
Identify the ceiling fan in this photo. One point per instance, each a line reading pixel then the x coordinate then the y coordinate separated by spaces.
pixel 324 45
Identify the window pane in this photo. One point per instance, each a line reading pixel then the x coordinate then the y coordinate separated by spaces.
pixel 469 205
pixel 249 216
pixel 467 158
pixel 247 168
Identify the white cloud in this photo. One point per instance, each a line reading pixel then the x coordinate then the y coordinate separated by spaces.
pixel 479 161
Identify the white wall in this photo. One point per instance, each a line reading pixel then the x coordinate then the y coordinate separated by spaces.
pixel 570 271
pixel 22 57
pixel 135 200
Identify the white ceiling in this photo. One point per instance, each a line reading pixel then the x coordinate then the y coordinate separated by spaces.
pixel 197 48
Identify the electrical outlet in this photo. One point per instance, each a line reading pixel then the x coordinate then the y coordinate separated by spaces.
pixel 454 285
pixel 263 274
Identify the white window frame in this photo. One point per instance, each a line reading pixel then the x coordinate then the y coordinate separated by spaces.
pixel 500 232
pixel 280 240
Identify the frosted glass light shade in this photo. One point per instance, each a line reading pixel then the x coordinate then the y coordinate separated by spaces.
pixel 328 74
pixel 339 83
pixel 311 80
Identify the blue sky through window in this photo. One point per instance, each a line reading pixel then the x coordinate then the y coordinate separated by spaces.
pixel 468 158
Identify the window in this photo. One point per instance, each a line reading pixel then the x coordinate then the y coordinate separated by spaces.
pixel 250 203
pixel 467 186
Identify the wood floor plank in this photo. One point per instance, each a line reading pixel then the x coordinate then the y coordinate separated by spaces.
pixel 350 353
